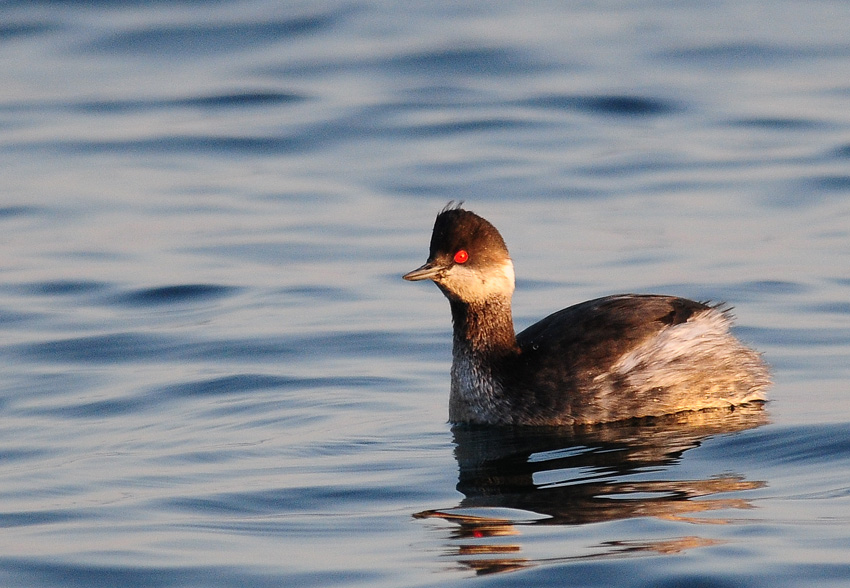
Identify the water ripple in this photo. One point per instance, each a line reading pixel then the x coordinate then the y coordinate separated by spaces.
pixel 831 183
pixel 244 383
pixel 302 499
pixel 613 104
pixel 16 211
pixel 244 99
pixel 130 347
pixel 473 60
pixel 62 287
pixel 204 39
pixel 45 517
pixel 38 572
pixel 776 123
pixel 749 54
pixel 24 29
pixel 108 348
pixel 249 145
pixel 177 294
pixel 805 445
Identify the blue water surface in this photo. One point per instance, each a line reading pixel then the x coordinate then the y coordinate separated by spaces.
pixel 213 374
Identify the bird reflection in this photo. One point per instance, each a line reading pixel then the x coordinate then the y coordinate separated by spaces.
pixel 518 476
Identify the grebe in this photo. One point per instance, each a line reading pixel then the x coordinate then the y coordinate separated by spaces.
pixel 613 358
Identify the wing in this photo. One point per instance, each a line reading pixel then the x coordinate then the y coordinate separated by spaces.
pixel 606 328
pixel 572 352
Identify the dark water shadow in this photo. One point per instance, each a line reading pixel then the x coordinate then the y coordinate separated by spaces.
pixel 514 477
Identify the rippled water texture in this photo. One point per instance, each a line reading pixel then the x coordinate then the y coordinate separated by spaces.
pixel 213 374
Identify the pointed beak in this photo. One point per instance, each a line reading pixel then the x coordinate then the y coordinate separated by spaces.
pixel 429 271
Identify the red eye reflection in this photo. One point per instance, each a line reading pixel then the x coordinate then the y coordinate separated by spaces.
pixel 461 256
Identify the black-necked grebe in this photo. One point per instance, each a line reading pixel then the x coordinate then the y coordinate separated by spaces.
pixel 613 358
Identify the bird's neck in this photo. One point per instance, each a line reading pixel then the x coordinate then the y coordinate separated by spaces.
pixel 484 343
pixel 485 327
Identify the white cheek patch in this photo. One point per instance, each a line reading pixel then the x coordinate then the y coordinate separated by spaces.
pixel 470 284
pixel 506 277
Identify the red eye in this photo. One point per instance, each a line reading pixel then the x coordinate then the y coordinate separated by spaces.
pixel 461 256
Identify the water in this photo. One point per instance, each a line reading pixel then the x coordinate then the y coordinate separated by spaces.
pixel 213 374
